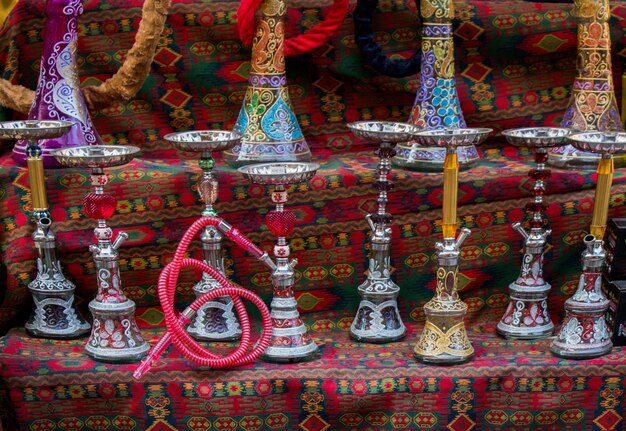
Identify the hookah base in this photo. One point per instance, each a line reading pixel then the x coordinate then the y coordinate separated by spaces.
pixel 290 355
pixel 444 340
pixel 583 335
pixel 377 338
pixel 378 320
pixel 212 336
pixel 527 316
pixel 42 332
pixel 289 344
pixel 567 352
pixel 215 321
pixel 443 359
pixel 118 356
pixel 523 332
pixel 55 316
pixel 115 336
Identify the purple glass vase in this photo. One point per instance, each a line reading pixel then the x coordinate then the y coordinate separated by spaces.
pixel 58 95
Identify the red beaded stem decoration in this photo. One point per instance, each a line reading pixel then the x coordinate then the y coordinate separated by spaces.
pixel 540 175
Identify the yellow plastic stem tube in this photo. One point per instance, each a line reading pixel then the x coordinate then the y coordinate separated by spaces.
pixel 37 180
pixel 603 194
pixel 450 193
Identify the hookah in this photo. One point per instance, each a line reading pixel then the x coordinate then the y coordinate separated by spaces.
pixel 527 315
pixel 584 333
pixel 114 336
pixel 378 319
pixel 290 340
pixel 59 95
pixel 54 314
pixel 215 320
pixel 270 128
pixel 592 106
pixel 444 338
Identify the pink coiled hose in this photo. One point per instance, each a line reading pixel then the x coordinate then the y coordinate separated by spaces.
pixel 176 331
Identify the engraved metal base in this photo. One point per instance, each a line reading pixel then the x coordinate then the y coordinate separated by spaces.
pixel 54 315
pixel 289 355
pixel 112 355
pixel 527 316
pixel 443 359
pixel 115 336
pixel 587 354
pixel 377 319
pixel 444 340
pixel 584 333
pixel 290 340
pixel 216 321
pixel 569 343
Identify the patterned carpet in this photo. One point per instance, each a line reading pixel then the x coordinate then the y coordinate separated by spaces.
pixel 508 386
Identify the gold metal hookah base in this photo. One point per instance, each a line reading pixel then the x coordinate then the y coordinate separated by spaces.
pixel 444 339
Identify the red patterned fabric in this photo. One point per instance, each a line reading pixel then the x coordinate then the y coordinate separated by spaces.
pixel 515 63
pixel 510 385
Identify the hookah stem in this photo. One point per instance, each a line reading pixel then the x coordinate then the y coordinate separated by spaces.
pixel 383 173
pixel 208 189
pixel 37 180
pixel 281 241
pixel 207 163
pixel 103 242
pixel 450 193
pixel 270 22
pixel 539 187
pixel 603 194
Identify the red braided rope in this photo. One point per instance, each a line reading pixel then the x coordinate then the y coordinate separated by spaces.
pixel 309 40
pixel 245 20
